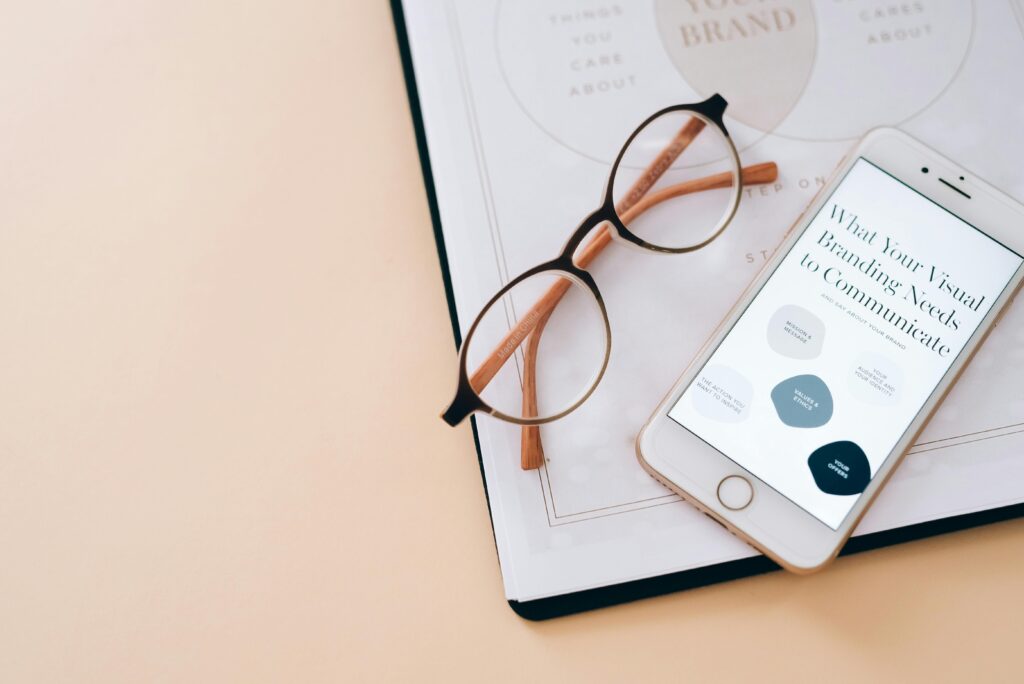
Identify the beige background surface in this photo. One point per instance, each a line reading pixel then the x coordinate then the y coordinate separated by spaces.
pixel 224 346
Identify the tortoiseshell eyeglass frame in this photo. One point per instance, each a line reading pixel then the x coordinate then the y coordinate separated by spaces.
pixel 611 220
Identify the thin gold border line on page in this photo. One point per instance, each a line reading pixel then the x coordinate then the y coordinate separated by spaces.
pixel 1017 8
pixel 483 177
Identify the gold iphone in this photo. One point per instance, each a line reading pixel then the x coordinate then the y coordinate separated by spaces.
pixel 792 417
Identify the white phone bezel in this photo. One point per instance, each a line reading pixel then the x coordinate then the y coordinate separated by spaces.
pixel 772 523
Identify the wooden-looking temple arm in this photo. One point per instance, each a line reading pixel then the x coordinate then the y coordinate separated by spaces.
pixel 634 203
pixel 489 367
pixel 661 163
pixel 532 450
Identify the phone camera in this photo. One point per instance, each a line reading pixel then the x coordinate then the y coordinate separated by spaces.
pixel 924 169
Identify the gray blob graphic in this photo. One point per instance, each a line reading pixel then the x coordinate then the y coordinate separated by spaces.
pixel 840 468
pixel 803 401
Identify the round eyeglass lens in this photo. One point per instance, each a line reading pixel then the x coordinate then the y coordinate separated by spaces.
pixel 539 349
pixel 677 183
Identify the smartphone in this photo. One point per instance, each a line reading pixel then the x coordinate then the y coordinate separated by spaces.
pixel 791 418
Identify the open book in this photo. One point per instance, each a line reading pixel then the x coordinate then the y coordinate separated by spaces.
pixel 520 108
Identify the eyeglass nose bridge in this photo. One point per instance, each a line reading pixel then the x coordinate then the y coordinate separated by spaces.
pixel 604 214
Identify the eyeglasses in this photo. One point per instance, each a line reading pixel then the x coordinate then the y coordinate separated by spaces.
pixel 673 188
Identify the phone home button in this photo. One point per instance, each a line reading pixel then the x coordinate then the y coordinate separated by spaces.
pixel 735 492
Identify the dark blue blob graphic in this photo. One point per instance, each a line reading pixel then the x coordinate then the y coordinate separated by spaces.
pixel 803 401
pixel 840 468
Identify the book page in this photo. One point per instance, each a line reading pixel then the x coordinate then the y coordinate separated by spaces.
pixel 525 105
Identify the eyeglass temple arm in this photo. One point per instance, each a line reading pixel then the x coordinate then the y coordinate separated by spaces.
pixel 532 450
pixel 489 367
pixel 493 363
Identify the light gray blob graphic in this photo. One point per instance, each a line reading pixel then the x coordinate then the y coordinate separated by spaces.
pixel 721 393
pixel 795 332
pixel 876 379
pixel 803 401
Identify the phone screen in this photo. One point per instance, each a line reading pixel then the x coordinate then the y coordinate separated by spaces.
pixel 834 357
